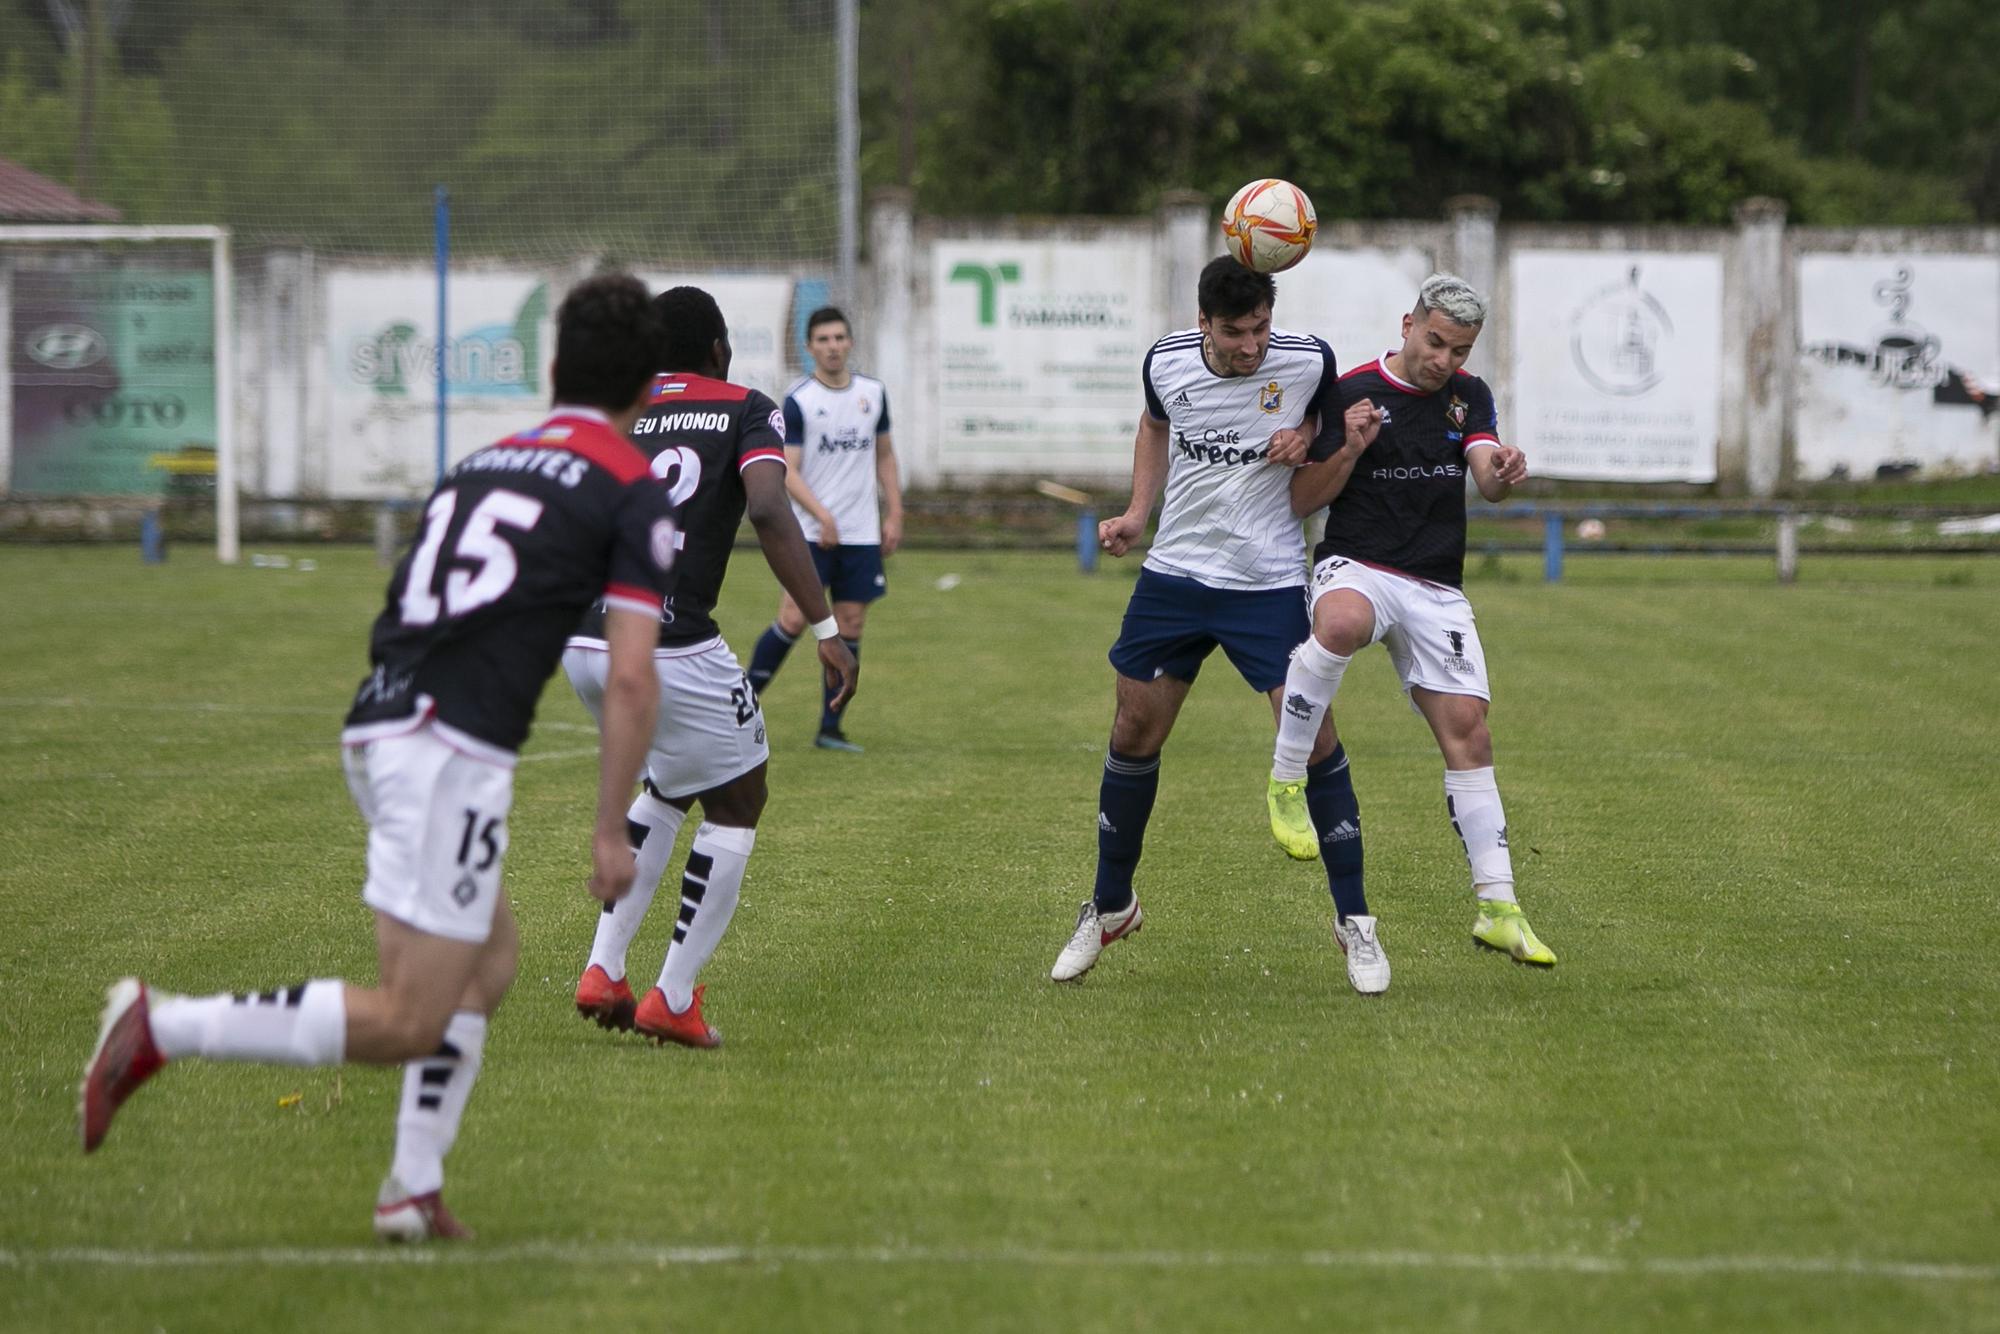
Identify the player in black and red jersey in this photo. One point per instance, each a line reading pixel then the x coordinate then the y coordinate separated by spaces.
pixel 1391 569
pixel 720 449
pixel 517 541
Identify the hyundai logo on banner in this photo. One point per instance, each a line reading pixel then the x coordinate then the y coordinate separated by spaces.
pixel 66 347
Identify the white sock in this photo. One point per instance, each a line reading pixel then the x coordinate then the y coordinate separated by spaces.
pixel 709 891
pixel 620 921
pixel 435 1090
pixel 1310 683
pixel 301 1025
pixel 1473 800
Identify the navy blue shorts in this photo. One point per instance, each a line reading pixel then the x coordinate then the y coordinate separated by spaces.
pixel 1172 624
pixel 851 573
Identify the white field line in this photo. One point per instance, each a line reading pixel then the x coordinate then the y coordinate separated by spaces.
pixel 582 1255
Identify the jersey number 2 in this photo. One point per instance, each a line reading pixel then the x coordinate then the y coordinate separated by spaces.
pixel 480 545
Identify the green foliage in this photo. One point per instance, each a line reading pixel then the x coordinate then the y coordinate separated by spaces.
pixel 1632 112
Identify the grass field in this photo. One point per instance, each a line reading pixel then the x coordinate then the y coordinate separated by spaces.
pixel 1762 1090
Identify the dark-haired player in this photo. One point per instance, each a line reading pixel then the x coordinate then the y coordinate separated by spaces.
pixel 720 449
pixel 1391 569
pixel 517 541
pixel 849 500
pixel 1221 433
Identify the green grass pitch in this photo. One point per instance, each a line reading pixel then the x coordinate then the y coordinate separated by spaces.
pixel 1762 1090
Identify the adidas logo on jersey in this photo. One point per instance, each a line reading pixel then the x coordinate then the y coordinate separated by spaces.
pixel 1180 400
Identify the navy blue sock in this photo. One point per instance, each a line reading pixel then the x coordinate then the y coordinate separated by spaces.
pixel 768 656
pixel 829 721
pixel 1124 804
pixel 1337 816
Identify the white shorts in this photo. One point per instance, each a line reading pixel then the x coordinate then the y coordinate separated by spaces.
pixel 1427 627
pixel 710 731
pixel 436 803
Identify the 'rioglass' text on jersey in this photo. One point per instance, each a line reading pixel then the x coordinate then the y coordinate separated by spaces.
pixel 1404 505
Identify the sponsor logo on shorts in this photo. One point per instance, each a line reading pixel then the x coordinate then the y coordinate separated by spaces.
pixel 1456 659
pixel 465 891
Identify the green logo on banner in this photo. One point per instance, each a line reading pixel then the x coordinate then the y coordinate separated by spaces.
pixel 988 278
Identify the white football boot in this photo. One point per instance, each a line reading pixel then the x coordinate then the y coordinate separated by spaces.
pixel 1092 934
pixel 1367 965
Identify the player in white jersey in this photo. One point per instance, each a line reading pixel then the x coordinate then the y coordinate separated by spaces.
pixel 1232 408
pixel 849 498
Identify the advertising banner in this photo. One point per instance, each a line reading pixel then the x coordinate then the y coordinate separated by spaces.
pixel 1039 348
pixel 1617 364
pixel 1354 299
pixel 113 379
pixel 1899 364
pixel 381 340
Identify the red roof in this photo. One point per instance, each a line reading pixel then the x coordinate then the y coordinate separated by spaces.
pixel 27 196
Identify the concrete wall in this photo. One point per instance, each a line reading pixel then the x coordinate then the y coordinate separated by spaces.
pixel 1751 357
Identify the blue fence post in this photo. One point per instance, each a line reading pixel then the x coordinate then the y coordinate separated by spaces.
pixel 1552 548
pixel 152 542
pixel 1086 539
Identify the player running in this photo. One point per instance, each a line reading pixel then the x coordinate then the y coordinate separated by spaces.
pixel 1391 569
pixel 1221 432
pixel 517 541
pixel 720 449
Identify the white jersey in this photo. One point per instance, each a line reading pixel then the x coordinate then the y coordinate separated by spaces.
pixel 1228 519
pixel 836 429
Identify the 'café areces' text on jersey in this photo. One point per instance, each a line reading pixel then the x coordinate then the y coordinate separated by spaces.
pixel 835 430
pixel 516 542
pixel 1404 505
pixel 1227 520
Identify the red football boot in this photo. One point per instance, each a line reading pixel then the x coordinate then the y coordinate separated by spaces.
pixel 609 1004
pixel 662 1025
pixel 124 1059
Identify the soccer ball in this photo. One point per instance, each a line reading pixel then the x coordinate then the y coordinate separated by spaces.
pixel 1268 225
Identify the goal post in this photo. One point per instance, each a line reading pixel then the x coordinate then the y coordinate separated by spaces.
pixel 72 347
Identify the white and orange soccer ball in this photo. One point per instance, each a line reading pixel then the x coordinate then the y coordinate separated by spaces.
pixel 1268 225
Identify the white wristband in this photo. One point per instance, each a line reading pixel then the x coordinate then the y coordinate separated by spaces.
pixel 825 629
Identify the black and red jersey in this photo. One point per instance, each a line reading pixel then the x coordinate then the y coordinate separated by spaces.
pixel 701 435
pixel 1404 505
pixel 516 542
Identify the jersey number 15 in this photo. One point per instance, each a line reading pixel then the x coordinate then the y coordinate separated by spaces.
pixel 483 562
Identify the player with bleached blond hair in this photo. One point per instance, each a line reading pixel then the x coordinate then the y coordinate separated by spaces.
pixel 1391 569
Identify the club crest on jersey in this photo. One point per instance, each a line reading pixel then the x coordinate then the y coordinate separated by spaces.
pixel 1273 397
pixel 1456 412
pixel 861 405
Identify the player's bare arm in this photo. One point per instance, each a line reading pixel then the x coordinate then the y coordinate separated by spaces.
pixel 890 482
pixel 795 486
pixel 785 551
pixel 1149 477
pixel 1496 470
pixel 631 706
pixel 1316 484
pixel 1288 446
